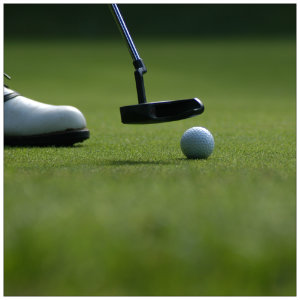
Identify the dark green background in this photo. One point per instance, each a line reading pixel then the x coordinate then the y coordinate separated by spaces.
pixel 95 20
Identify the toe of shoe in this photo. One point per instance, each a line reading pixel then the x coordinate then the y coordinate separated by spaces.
pixel 66 117
pixel 23 117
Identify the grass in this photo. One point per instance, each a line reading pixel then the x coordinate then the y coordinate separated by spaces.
pixel 125 213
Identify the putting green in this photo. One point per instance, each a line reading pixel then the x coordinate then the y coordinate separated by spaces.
pixel 125 213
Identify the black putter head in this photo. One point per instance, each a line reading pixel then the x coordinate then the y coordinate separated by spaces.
pixel 153 112
pixel 163 111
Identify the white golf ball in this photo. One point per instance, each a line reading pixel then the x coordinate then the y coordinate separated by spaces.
pixel 197 142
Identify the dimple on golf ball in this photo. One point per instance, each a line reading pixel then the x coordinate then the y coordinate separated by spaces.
pixel 197 142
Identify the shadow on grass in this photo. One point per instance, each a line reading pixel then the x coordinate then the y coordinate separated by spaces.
pixel 129 162
pixel 137 162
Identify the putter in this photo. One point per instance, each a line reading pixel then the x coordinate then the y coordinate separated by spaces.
pixel 151 112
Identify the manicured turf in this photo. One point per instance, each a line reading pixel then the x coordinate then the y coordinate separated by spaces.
pixel 125 213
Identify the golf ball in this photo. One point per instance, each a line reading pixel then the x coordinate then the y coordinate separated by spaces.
pixel 197 142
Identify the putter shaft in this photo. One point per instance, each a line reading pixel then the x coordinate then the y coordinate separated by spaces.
pixel 124 31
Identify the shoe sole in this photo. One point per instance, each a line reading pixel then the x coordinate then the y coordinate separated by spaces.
pixel 59 139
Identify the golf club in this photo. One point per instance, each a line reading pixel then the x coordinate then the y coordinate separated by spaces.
pixel 152 112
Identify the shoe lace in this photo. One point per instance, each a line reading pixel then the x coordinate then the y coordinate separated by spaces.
pixel 10 95
pixel 8 77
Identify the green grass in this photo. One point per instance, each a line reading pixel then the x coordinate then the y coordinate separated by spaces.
pixel 125 213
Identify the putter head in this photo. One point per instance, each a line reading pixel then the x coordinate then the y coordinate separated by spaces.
pixel 163 111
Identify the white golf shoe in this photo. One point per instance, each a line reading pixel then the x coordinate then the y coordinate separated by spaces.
pixel 31 123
